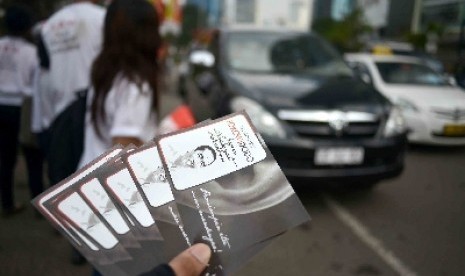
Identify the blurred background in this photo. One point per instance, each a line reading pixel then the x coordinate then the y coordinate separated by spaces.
pixel 433 26
pixel 394 205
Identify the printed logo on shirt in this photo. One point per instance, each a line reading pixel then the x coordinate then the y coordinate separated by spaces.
pixel 7 62
pixel 63 36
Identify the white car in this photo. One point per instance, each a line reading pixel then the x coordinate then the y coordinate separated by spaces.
pixel 433 106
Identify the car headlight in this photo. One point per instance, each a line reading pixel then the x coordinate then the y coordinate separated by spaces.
pixel 265 122
pixel 406 105
pixel 395 124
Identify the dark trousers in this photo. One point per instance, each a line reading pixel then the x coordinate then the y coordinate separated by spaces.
pixel 44 142
pixel 35 169
pixel 9 129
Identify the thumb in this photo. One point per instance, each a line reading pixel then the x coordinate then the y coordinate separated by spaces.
pixel 192 261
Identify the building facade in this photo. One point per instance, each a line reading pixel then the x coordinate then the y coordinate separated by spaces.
pixel 295 14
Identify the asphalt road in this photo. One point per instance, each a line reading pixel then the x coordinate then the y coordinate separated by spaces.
pixel 413 225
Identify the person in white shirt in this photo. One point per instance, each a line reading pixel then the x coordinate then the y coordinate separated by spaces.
pixel 43 98
pixel 123 99
pixel 72 38
pixel 18 60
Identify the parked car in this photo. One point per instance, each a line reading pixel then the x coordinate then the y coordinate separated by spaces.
pixel 433 106
pixel 320 122
pixel 403 49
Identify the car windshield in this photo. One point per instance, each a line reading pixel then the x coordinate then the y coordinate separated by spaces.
pixel 409 73
pixel 282 53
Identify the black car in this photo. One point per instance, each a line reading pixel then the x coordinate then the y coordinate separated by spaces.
pixel 320 121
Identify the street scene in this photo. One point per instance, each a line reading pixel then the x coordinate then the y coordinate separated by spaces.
pixel 360 102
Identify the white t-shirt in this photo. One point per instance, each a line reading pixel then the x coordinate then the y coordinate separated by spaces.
pixel 128 114
pixel 73 38
pixel 42 101
pixel 18 61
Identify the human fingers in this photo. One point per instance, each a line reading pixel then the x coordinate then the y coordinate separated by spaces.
pixel 192 261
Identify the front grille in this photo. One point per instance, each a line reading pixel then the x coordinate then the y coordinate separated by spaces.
pixel 332 124
pixel 322 130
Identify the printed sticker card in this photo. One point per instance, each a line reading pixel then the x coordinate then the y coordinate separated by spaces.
pixel 110 233
pixel 99 200
pixel 143 253
pixel 115 244
pixel 147 170
pixel 71 207
pixel 229 189
pixel 78 239
pixel 121 187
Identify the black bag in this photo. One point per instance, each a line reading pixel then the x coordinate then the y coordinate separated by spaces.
pixel 67 139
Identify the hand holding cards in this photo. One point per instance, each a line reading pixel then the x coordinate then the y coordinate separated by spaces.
pixel 216 183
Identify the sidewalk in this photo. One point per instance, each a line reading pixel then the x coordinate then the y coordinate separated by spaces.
pixel 29 245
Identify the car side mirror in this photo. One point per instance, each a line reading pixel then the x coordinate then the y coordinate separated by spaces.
pixel 365 77
pixel 361 73
pixel 204 82
pixel 450 80
pixel 202 58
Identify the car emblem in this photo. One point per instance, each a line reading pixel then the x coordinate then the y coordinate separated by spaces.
pixel 338 122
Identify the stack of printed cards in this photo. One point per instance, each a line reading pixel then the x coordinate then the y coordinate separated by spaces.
pixel 134 208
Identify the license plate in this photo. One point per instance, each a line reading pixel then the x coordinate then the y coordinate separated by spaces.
pixel 339 156
pixel 454 130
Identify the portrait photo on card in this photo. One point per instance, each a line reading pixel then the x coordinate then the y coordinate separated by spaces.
pixel 73 231
pixel 209 151
pixel 131 261
pixel 138 242
pixel 99 200
pixel 73 208
pixel 151 243
pixel 81 243
pixel 44 201
pixel 108 207
pixel 123 189
pixel 147 170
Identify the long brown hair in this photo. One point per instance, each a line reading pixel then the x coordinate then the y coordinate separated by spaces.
pixel 131 42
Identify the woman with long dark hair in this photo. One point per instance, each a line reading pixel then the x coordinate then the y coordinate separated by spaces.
pixel 124 99
pixel 124 96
